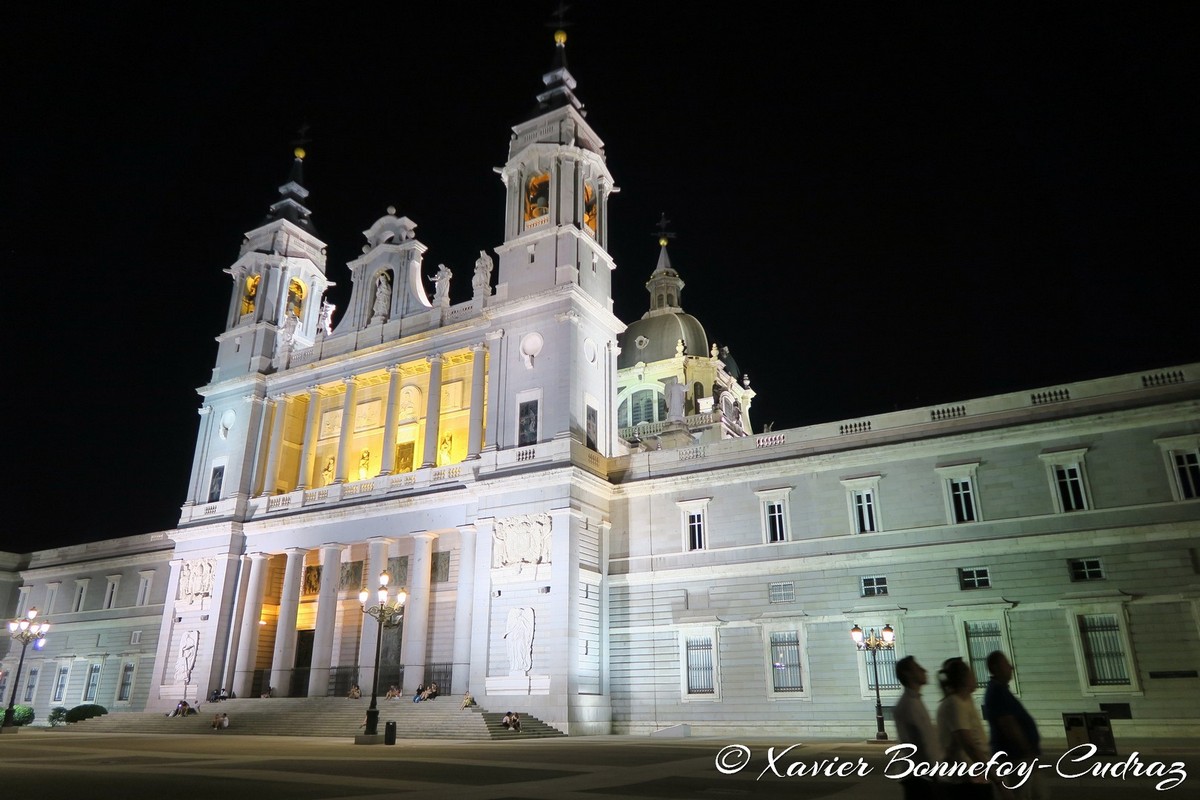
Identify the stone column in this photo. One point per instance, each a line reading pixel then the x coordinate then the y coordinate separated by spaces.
pixel 433 411
pixel 475 427
pixel 311 421
pixel 416 615
pixel 494 409
pixel 464 605
pixel 275 446
pixel 247 649
pixel 377 550
pixel 347 432
pixel 389 423
pixel 327 614
pixel 283 662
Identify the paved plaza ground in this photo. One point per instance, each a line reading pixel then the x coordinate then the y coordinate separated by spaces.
pixel 50 764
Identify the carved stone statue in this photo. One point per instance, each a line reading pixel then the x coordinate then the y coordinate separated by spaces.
pixel 364 465
pixel 186 660
pixel 325 318
pixel 482 282
pixel 196 579
pixel 518 640
pixel 327 472
pixel 441 286
pixel 383 298
pixel 675 394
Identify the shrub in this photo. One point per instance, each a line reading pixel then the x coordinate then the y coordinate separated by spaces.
pixel 58 716
pixel 85 711
pixel 22 715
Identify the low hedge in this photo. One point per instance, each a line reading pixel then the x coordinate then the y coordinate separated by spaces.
pixel 85 711
pixel 58 716
pixel 22 715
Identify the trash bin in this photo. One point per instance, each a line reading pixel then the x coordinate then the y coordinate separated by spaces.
pixel 1075 725
pixel 389 732
pixel 1099 732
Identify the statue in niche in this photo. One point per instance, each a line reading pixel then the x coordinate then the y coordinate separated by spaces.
pixel 675 395
pixel 312 580
pixel 383 298
pixel 287 339
pixel 518 640
pixel 327 472
pixel 186 660
pixel 325 318
pixel 482 282
pixel 364 465
pixel 445 446
pixel 441 286
pixel 521 540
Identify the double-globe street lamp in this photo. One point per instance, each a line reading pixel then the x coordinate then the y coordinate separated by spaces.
pixel 885 641
pixel 388 613
pixel 24 630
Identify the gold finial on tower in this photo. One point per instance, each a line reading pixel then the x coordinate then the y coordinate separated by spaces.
pixel 560 37
pixel 299 153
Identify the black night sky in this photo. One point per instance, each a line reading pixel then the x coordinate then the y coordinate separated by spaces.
pixel 876 207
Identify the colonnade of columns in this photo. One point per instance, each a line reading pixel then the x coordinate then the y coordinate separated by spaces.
pixel 414 646
pixel 433 409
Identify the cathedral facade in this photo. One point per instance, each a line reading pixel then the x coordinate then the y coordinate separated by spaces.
pixel 586 525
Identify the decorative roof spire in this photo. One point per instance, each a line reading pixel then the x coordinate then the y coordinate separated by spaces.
pixel 665 285
pixel 290 205
pixel 560 84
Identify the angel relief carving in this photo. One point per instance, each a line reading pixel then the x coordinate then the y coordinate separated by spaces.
pixel 523 539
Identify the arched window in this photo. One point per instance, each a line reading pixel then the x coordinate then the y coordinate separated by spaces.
pixel 643 405
pixel 250 293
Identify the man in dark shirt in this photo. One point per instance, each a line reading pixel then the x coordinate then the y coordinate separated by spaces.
pixel 1012 728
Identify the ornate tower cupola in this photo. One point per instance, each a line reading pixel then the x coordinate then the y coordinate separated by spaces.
pixel 665 285
pixel 556 216
pixel 278 283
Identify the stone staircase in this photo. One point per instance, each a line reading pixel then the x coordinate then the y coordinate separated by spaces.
pixel 326 716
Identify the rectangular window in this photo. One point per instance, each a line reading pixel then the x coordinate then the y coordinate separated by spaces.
pixel 1069 479
pixel 60 683
pixel 887 669
pixel 126 687
pixel 695 526
pixel 1103 650
pixel 776 532
pixel 962 501
pixel 1187 474
pixel 31 684
pixel 1086 569
pixel 973 578
pixel 785 665
pixel 527 421
pixel 93 683
pixel 864 511
pixel 781 592
pixel 700 665
pixel 773 510
pixel 874 586
pixel 110 592
pixel 145 579
pixel 23 601
pixel 1182 457
pixel 440 569
pixel 51 598
pixel 983 638
pixel 80 594
pixel 135 637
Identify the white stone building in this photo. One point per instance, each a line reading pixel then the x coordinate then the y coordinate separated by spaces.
pixel 587 526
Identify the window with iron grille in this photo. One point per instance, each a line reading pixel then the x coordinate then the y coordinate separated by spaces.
pixel 1086 569
pixel 1103 650
pixel 983 638
pixel 785 666
pixel 93 683
pixel 874 585
pixel 60 683
pixel 31 684
pixel 887 669
pixel 126 687
pixel 973 578
pixel 781 592
pixel 700 665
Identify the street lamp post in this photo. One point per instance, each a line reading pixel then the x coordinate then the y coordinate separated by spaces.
pixel 24 630
pixel 388 614
pixel 873 643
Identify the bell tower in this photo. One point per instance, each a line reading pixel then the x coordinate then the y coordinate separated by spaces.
pixel 278 282
pixel 558 186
